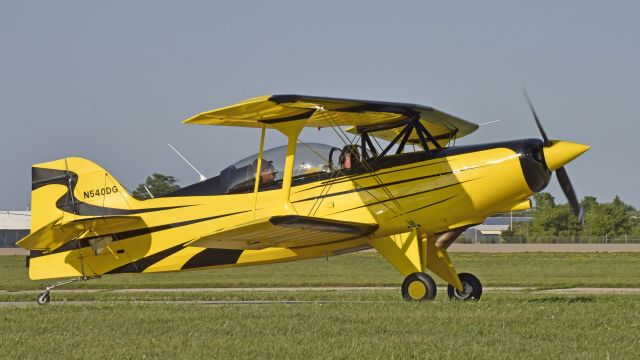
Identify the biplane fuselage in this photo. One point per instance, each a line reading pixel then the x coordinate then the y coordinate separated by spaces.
pixel 457 188
pixel 399 204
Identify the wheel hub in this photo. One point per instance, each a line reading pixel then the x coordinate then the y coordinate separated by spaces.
pixel 471 288
pixel 468 289
pixel 417 289
pixel 418 286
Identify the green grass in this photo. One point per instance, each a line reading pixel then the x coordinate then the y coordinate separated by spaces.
pixel 160 296
pixel 331 324
pixel 501 326
pixel 370 269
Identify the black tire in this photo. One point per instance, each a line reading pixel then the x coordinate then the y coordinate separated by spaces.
pixel 43 298
pixel 418 286
pixel 473 288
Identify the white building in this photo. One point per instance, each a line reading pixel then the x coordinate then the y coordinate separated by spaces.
pixel 14 225
pixel 492 228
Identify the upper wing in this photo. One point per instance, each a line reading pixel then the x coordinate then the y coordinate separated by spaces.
pixel 325 112
pixel 287 231
pixel 58 233
pixel 443 127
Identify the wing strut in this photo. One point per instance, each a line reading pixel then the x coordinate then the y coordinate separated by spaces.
pixel 258 171
pixel 291 129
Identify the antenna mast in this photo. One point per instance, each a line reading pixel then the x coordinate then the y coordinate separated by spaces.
pixel 202 177
pixel 148 191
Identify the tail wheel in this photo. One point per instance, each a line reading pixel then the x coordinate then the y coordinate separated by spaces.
pixel 419 287
pixel 43 298
pixel 472 288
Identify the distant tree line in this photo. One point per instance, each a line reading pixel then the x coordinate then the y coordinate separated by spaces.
pixel 612 219
pixel 157 184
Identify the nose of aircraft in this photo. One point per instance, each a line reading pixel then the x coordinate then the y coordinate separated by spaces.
pixel 561 152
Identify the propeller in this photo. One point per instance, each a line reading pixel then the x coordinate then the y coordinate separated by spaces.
pixel 561 172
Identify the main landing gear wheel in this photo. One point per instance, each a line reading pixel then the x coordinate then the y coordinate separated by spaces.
pixel 472 288
pixel 419 286
pixel 43 298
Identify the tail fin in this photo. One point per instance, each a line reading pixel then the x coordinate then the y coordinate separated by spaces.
pixel 76 205
pixel 65 189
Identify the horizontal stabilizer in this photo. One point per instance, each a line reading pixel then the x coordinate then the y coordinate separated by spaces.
pixel 287 231
pixel 58 233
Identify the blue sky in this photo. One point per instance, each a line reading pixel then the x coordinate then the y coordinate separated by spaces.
pixel 111 81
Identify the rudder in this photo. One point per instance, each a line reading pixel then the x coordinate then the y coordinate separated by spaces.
pixel 68 188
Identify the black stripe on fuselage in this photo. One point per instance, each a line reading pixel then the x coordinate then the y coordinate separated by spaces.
pixel 84 209
pixel 141 264
pixel 366 188
pixel 429 205
pixel 534 172
pixel 405 196
pixel 343 179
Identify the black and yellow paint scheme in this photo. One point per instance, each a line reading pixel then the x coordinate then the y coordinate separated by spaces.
pixel 409 205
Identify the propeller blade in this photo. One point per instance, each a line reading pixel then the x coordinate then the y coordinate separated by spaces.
pixel 561 173
pixel 535 116
pixel 569 192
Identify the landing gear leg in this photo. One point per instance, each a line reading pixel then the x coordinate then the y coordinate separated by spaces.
pixel 44 297
pixel 407 254
pixel 412 253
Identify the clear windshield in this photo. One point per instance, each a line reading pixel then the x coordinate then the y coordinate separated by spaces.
pixel 310 158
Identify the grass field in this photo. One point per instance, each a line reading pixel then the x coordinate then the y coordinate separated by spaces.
pixel 333 324
pixel 370 269
pixel 502 326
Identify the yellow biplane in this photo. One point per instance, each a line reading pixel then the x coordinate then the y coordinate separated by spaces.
pixel 401 187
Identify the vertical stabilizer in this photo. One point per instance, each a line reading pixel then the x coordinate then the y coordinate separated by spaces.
pixel 69 188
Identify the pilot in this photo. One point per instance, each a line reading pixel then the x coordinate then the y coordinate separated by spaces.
pixel 267 173
pixel 350 157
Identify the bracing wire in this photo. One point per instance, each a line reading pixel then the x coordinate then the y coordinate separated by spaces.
pixel 368 167
pixel 326 189
pixel 346 141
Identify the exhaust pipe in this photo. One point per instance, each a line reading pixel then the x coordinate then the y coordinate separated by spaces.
pixel 445 239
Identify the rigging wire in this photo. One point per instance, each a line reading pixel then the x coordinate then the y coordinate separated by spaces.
pixel 325 190
pixel 369 169
pixel 346 141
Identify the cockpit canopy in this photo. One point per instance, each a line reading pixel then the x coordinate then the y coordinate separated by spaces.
pixel 311 159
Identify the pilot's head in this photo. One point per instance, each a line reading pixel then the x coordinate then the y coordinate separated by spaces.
pixel 268 172
pixel 350 157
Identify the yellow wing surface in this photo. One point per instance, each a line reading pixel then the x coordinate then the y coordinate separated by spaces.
pixel 376 117
pixel 287 231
